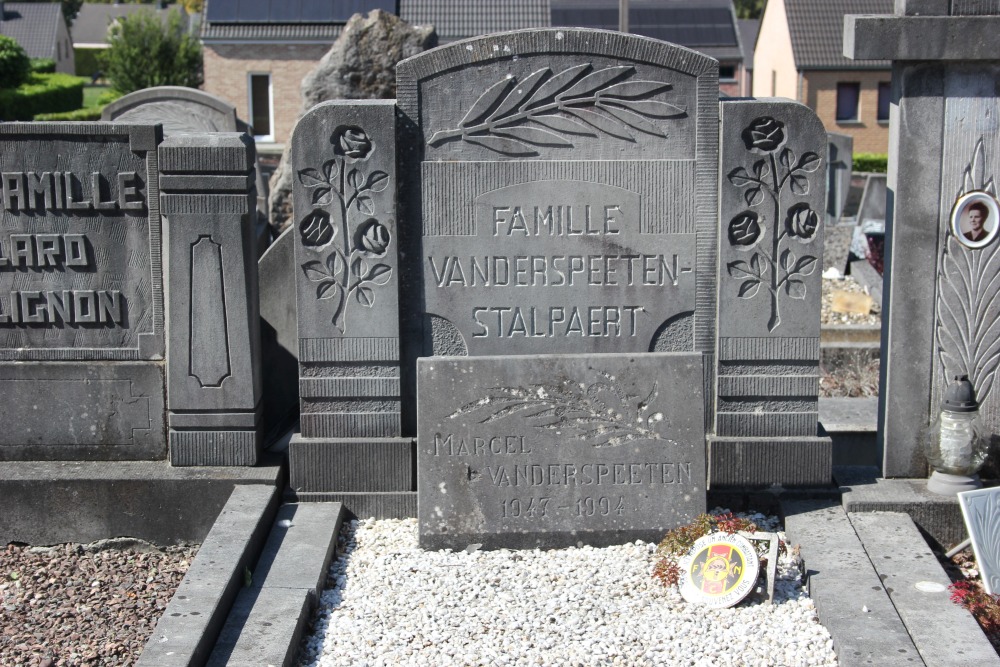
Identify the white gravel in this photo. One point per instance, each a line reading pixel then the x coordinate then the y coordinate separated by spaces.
pixel 390 603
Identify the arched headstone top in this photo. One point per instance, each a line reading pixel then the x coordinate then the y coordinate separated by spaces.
pixel 177 108
pixel 559 94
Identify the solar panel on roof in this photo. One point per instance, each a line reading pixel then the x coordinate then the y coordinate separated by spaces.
pixel 292 11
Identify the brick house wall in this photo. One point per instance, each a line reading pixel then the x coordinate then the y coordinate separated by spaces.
pixel 227 70
pixel 819 92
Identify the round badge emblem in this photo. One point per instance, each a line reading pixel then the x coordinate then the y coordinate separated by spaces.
pixel 719 570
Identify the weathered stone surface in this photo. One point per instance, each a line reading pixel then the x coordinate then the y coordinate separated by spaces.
pixel 558 450
pixel 839 163
pixel 346 242
pixel 921 38
pixel 361 64
pixel 279 334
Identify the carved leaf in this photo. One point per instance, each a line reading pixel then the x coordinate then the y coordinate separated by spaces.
pixel 322 196
pixel 314 271
pixel 557 83
pixel 787 260
pixel 761 170
pixel 602 123
pixel 806 266
pixel 503 145
pixel 380 274
pixel 739 177
pixel 796 289
pixel 787 158
pixel 533 135
pixel 653 108
pixel 310 177
pixel 632 120
pixel 740 268
pixel 749 289
pixel 983 516
pixel 634 89
pixel 365 296
pixel 809 162
pixel 563 124
pixel 753 196
pixel 377 181
pixel 595 80
pixel 355 179
pixel 359 267
pixel 327 289
pixel 482 106
pixel 330 170
pixel 520 92
pixel 334 264
pixel 365 204
pixel 800 185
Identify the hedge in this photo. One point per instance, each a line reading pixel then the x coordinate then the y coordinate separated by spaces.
pixel 43 93
pixel 86 61
pixel 93 113
pixel 43 66
pixel 876 163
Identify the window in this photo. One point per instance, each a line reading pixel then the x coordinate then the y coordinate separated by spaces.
pixel 727 72
pixel 884 96
pixel 261 116
pixel 847 101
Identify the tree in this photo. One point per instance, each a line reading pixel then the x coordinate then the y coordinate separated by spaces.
pixel 749 9
pixel 144 52
pixel 14 63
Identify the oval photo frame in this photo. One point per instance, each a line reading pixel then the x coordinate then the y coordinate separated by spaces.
pixel 974 219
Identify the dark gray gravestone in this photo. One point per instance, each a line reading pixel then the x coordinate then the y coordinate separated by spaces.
pixel 840 162
pixel 81 293
pixel 770 266
pixel 91 212
pixel 565 185
pixel 558 450
pixel 941 309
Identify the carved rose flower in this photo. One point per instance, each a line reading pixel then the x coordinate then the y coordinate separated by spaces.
pixel 764 135
pixel 802 222
pixel 316 229
pixel 352 142
pixel 744 229
pixel 373 237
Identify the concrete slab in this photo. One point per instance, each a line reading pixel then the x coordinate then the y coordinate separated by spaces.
pixel 938 516
pixel 918 588
pixel 192 621
pixel 267 621
pixel 848 594
pixel 849 414
pixel 382 505
pixel 58 501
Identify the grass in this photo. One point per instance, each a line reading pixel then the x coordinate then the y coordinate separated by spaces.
pixel 90 95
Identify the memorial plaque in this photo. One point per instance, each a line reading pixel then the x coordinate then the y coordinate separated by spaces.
pixel 559 450
pixel 566 184
pixel 80 281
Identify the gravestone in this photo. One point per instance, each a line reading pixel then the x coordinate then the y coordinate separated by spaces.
pixel 840 162
pixel 940 314
pixel 560 234
pixel 127 318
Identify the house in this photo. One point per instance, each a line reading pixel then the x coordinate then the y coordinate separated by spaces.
pixel 41 31
pixel 799 54
pixel 454 20
pixel 708 26
pixel 90 29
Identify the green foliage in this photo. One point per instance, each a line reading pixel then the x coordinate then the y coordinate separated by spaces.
pixel 42 93
pixel 15 66
pixel 86 61
pixel 144 52
pixel 92 113
pixel 677 542
pixel 749 9
pixel 107 97
pixel 43 66
pixel 876 163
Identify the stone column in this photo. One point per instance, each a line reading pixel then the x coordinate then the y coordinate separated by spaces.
pixel 941 314
pixel 213 330
pixel 772 200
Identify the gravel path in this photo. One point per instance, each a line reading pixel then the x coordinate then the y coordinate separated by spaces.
pixel 390 603
pixel 84 605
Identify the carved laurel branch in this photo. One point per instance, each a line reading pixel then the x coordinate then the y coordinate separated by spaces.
pixel 988 531
pixel 512 116
pixel 968 328
pixel 601 413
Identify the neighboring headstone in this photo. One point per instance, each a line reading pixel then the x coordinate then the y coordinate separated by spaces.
pixel 840 162
pixel 559 450
pixel 981 511
pixel 183 110
pixel 88 296
pixel 772 199
pixel 347 285
pixel 277 275
pixel 941 310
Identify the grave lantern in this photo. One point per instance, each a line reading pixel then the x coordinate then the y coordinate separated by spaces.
pixel 956 445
